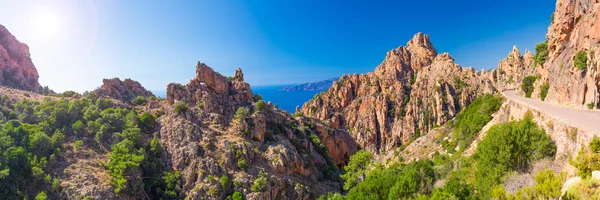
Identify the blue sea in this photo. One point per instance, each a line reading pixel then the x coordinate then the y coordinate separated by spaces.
pixel 285 100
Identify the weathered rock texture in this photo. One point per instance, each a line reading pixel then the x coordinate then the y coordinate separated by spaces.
pixel 16 68
pixel 410 92
pixel 299 156
pixel 125 90
pixel 213 90
pixel 575 27
pixel 512 70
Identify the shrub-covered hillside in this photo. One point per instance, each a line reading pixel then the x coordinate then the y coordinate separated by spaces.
pixel 36 135
pixel 509 148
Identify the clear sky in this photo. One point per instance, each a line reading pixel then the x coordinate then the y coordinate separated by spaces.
pixel 76 43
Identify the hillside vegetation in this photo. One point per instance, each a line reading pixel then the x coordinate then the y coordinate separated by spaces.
pixel 507 148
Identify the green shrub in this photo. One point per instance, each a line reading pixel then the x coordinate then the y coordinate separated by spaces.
pixel 527 85
pixel 471 120
pixel 124 160
pixel 260 106
pixel 78 128
pixel 260 183
pixel 591 105
pixel 170 186
pixel 331 196
pixel 585 189
pixel 134 135
pixel 242 164
pixel 507 147
pixel 55 185
pixel 595 145
pixel 70 93
pixel 242 113
pixel 200 105
pixel 147 121
pixel 396 182
pixel 78 144
pixel 181 107
pixel 548 185
pixel 588 159
pixel 41 196
pixel 237 196
pixel 544 90
pixel 356 168
pixel 257 97
pixel 415 178
pixel 580 61
pixel 224 181
pixel 139 100
pixel 541 53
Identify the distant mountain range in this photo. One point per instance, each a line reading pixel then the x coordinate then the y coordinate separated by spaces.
pixel 315 86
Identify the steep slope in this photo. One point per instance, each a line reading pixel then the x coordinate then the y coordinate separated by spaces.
pixel 315 86
pixel 16 68
pixel 575 29
pixel 413 90
pixel 225 126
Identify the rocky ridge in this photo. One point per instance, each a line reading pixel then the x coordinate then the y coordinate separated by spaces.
pixel 16 68
pixel 413 90
pixel 225 125
pixel 124 90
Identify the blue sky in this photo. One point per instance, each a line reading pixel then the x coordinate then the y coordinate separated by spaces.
pixel 76 43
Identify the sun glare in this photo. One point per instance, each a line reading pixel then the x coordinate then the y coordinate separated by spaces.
pixel 46 24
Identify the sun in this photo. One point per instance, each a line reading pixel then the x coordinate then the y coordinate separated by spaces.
pixel 46 23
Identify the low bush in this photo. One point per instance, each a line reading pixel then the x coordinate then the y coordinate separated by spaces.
pixel 181 107
pixel 527 85
pixel 242 113
pixel 260 183
pixel 541 53
pixel 139 100
pixel 471 120
pixel 588 159
pixel 356 168
pixel 261 105
pixel 511 146
pixel 544 91
pixel 580 61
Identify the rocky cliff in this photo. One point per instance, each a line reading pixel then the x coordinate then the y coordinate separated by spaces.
pixel 413 90
pixel 125 90
pixel 16 68
pixel 225 130
pixel 575 29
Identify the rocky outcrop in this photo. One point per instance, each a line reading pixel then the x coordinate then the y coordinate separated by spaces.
pixel 125 90
pixel 315 86
pixel 512 70
pixel 298 156
pixel 575 28
pixel 16 68
pixel 213 90
pixel 410 92
pixel 339 144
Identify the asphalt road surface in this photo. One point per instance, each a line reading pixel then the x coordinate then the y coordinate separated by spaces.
pixel 588 120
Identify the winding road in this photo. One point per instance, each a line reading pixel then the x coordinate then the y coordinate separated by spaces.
pixel 588 120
